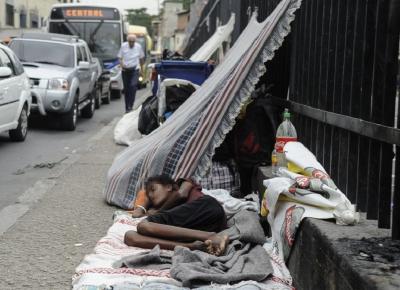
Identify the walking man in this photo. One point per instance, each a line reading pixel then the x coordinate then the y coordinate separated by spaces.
pixel 130 56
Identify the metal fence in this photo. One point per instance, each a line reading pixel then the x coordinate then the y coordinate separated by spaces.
pixel 337 72
pixel 343 87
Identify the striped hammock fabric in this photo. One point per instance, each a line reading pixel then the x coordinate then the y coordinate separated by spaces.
pixel 184 144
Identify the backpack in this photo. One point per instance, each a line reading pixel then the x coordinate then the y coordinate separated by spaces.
pixel 148 120
pixel 254 135
pixel 254 138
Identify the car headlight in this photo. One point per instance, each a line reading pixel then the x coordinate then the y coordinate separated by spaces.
pixel 114 71
pixel 140 79
pixel 58 84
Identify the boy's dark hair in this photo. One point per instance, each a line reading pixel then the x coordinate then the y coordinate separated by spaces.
pixel 160 179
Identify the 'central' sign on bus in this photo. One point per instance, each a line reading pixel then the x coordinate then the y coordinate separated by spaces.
pixel 83 13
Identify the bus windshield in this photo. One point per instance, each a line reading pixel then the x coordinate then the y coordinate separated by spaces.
pixel 103 38
pixel 142 41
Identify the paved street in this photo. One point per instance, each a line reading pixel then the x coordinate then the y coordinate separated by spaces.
pixel 45 235
pixel 21 164
pixel 43 247
pixel 44 155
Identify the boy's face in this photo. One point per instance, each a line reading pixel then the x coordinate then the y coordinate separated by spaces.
pixel 158 193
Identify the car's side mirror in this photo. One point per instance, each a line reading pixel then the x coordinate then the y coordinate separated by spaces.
pixel 5 72
pixel 84 65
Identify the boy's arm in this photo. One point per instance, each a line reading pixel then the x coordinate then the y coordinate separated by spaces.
pixel 178 196
pixel 142 204
pixel 185 188
pixel 173 200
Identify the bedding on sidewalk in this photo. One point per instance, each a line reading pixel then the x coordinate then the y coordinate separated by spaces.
pixel 96 271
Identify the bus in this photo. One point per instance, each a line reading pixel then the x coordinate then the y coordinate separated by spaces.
pixel 102 27
pixel 144 39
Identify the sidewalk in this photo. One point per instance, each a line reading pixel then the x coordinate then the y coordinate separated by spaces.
pixel 42 249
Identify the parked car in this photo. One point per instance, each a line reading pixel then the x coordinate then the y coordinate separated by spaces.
pixel 15 96
pixel 62 70
pixel 103 84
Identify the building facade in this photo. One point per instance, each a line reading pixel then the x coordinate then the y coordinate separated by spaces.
pixel 183 19
pixel 169 22
pixel 19 15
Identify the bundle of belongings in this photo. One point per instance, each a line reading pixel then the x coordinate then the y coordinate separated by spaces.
pixel 291 197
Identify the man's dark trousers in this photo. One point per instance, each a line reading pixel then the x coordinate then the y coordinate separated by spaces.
pixel 130 79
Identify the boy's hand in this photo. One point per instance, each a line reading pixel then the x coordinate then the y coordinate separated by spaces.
pixel 137 212
pixel 152 211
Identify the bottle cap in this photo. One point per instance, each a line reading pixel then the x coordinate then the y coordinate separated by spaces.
pixel 286 114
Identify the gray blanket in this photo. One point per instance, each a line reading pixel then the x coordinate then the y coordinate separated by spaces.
pixel 245 227
pixel 149 260
pixel 244 259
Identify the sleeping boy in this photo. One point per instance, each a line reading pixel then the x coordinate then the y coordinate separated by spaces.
pixel 178 213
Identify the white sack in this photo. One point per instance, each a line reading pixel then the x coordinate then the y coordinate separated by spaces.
pixel 126 130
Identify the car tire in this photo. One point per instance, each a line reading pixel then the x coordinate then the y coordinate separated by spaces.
pixel 19 133
pixel 88 110
pixel 98 100
pixel 69 120
pixel 116 94
pixel 107 99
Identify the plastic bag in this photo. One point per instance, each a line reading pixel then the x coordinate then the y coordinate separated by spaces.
pixel 126 130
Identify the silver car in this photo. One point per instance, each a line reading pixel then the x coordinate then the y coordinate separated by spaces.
pixel 62 72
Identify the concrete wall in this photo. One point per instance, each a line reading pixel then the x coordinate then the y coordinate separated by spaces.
pixel 326 256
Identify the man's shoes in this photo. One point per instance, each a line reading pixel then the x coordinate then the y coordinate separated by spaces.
pixel 128 111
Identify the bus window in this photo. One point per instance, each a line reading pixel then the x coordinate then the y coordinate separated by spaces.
pixel 83 52
pixel 69 28
pixel 85 47
pixel 79 56
pixel 103 39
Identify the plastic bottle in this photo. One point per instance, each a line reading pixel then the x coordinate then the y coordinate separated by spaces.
pixel 286 132
pixel 274 163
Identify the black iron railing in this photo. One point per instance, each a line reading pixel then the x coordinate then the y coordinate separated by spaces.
pixel 343 89
pixel 337 71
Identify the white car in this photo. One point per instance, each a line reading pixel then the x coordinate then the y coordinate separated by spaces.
pixel 15 96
